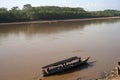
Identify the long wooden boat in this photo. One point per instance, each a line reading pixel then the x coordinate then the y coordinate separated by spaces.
pixel 63 65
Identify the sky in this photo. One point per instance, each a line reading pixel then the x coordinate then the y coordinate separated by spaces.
pixel 89 5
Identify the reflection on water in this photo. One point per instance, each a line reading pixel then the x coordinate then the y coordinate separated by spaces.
pixel 25 48
pixel 46 28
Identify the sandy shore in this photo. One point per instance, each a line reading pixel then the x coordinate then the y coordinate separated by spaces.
pixel 64 20
pixel 113 75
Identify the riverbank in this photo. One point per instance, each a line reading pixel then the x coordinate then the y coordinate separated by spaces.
pixel 113 75
pixel 63 20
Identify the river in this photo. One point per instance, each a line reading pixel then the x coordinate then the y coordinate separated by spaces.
pixel 25 48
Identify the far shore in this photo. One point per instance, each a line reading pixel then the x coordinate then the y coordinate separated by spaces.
pixel 62 20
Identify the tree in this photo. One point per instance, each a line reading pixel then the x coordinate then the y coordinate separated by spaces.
pixel 3 15
pixel 27 6
pixel 15 8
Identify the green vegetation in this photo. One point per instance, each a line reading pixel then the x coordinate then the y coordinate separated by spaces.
pixel 29 13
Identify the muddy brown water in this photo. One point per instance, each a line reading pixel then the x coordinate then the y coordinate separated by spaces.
pixel 25 48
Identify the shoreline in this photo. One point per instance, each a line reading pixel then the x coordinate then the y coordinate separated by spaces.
pixel 62 20
pixel 113 75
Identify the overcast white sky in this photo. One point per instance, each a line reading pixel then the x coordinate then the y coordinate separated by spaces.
pixel 86 4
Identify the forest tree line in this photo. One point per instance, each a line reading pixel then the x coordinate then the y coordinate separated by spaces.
pixel 30 13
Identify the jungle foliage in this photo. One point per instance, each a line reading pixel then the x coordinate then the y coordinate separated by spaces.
pixel 29 13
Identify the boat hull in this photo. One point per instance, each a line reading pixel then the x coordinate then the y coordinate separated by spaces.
pixel 67 68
